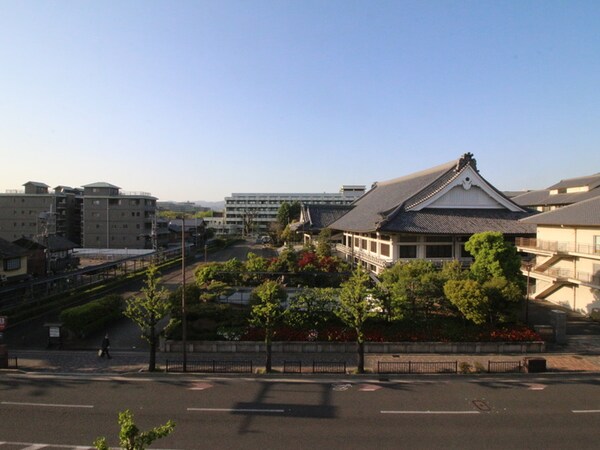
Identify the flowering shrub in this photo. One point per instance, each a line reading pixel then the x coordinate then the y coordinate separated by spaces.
pixel 336 333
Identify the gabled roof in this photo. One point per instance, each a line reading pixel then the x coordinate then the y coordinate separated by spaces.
pixel 584 213
pixel 387 205
pixel 317 217
pixel 10 250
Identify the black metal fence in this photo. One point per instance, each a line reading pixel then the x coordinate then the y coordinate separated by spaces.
pixel 212 366
pixel 292 366
pixel 504 366
pixel 417 367
pixel 329 366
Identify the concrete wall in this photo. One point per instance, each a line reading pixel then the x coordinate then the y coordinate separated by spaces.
pixel 350 347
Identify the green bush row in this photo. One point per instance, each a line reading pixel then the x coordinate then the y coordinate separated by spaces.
pixel 86 319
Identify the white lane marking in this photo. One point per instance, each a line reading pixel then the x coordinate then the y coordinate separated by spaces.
pixel 52 405
pixel 585 411
pixel 200 386
pixel 429 412
pixel 536 387
pixel 251 410
pixel 368 387
pixel 34 447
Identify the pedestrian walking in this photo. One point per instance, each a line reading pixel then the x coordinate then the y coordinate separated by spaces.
pixel 104 347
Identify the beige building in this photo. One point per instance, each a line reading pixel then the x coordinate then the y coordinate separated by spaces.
pixel 115 219
pixel 565 268
pixel 36 211
pixel 427 215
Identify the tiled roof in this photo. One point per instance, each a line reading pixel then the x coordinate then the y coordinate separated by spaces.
pixel 321 216
pixel 592 181
pixel 390 206
pixel 374 206
pixel 584 213
pixel 460 221
pixel 9 250
pixel 543 198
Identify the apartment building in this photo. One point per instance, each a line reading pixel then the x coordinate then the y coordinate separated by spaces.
pixel 115 219
pixel 36 211
pixel 253 213
pixel 427 215
pixel 565 256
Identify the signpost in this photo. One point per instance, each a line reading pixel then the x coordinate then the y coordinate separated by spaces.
pixel 3 351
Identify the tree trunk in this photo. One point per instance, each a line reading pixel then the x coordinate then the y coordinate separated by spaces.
pixel 152 363
pixel 360 347
pixel 268 358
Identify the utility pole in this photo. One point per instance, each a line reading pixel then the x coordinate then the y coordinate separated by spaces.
pixel 183 312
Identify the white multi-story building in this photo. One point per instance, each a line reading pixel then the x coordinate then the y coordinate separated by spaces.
pixel 253 213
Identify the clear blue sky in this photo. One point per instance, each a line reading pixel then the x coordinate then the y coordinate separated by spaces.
pixel 194 100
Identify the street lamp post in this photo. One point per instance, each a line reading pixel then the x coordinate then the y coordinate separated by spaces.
pixel 528 266
pixel 183 313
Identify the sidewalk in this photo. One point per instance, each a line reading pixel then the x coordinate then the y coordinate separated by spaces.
pixel 88 362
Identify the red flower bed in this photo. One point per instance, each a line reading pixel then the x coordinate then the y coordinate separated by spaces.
pixel 383 334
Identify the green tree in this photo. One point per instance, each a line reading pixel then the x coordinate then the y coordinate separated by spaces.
pixel 504 298
pixel 413 287
pixel 267 313
pixel 311 308
pixel 324 243
pixel 146 311
pixel 130 437
pixel 493 257
pixel 355 307
pixel 470 299
pixel 283 214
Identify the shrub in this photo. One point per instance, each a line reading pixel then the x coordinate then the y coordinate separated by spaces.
pixel 86 319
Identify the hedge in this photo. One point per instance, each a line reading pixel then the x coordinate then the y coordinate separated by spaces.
pixel 93 316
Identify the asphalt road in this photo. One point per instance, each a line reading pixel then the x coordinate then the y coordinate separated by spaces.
pixel 549 412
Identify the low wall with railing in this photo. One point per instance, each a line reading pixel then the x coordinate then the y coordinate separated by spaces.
pixel 347 347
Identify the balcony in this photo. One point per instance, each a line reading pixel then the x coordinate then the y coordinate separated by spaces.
pixel 364 256
pixel 540 246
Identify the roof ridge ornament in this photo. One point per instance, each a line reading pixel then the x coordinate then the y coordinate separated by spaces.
pixel 466 159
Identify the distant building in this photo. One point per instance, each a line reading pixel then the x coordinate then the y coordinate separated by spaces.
pixel 564 193
pixel 36 211
pixel 254 213
pixel 566 255
pixel 186 207
pixel 115 219
pixel 427 215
